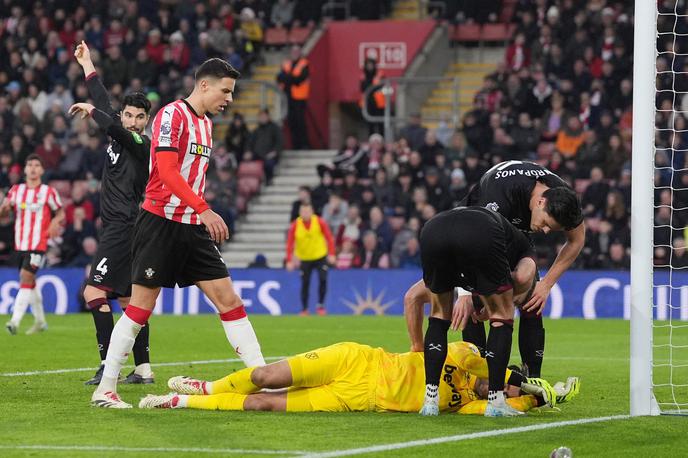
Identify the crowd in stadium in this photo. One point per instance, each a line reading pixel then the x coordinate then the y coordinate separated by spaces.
pixel 562 97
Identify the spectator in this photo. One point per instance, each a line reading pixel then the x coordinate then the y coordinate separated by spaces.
pixel 304 196
pixel 414 132
pixel 282 13
pixel 294 79
pixel 458 188
pixel 51 154
pixel 570 138
pixel 115 67
pixel 347 257
pixel 265 143
pixel 88 249
pixel 237 136
pixel 260 262
pixel 679 255
pixel 525 136
pixel 595 196
pixel 372 257
pixel 335 211
pixel 410 257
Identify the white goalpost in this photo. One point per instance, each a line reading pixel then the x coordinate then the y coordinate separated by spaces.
pixel 659 283
pixel 642 202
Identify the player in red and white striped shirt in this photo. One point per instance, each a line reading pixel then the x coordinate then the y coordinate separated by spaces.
pixel 175 234
pixel 38 214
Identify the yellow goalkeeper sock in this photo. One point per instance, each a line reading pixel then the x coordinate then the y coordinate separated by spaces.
pixel 223 401
pixel 238 382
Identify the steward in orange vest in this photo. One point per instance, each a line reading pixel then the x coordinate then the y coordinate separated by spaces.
pixel 294 79
pixel 375 102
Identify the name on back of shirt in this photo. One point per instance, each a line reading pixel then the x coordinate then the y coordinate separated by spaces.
pixel 526 173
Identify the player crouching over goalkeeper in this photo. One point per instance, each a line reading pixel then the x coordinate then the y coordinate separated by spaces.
pixel 348 377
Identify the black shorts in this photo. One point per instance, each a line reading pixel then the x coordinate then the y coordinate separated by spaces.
pixel 111 265
pixel 31 260
pixel 465 247
pixel 166 253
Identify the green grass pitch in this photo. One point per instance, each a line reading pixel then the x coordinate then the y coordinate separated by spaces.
pixel 52 410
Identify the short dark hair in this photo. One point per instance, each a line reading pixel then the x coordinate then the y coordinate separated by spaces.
pixel 137 100
pixel 563 205
pixel 34 157
pixel 216 68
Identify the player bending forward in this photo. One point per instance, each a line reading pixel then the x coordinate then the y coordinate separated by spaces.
pixel 350 377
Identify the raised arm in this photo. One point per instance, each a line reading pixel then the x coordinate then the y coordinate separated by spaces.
pixel 100 96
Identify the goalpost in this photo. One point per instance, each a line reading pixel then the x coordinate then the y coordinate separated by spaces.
pixel 659 293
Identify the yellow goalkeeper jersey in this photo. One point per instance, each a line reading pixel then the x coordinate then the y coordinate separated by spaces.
pixel 401 379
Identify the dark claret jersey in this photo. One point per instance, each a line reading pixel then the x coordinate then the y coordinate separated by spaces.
pixel 126 167
pixel 506 189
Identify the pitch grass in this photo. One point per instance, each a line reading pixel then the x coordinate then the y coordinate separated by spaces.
pixel 54 409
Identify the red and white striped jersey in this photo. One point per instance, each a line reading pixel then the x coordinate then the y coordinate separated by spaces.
pixel 177 127
pixel 32 210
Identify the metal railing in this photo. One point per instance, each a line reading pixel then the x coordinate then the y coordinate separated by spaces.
pixel 400 86
pixel 278 108
pixel 330 7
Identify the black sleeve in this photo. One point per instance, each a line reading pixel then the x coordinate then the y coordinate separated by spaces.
pixel 302 77
pixel 137 145
pixel 552 180
pixel 101 98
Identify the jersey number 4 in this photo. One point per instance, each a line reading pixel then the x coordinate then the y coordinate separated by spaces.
pixel 102 266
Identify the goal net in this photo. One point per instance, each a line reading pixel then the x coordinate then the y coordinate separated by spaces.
pixel 659 259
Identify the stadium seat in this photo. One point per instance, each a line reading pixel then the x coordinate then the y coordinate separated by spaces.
pixel 276 36
pixel 466 33
pixel 251 169
pixel 248 186
pixel 241 204
pixel 299 35
pixel 495 33
pixel 63 187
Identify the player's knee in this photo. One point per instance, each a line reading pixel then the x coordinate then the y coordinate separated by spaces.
pixel 27 278
pixel 415 294
pixel 261 376
pixel 259 403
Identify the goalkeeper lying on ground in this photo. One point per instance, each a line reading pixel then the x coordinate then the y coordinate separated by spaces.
pixel 353 377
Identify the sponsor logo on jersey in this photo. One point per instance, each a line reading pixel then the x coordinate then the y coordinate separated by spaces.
pixel 448 378
pixel 200 150
pixel 97 278
pixel 311 355
pixel 516 221
pixel 113 157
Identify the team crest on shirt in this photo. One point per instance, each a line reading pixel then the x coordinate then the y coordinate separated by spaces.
pixel 200 150
pixel 492 206
pixel 149 273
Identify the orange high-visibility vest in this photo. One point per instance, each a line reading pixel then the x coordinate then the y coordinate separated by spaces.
pixel 298 91
pixel 378 96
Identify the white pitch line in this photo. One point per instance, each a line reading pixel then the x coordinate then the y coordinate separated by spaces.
pixel 171 364
pixel 462 437
pixel 99 448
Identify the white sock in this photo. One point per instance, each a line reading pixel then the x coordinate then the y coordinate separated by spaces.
pixel 21 303
pixel 243 340
pixel 121 342
pixel 37 305
pixel 144 370
pixel 432 394
pixel 496 397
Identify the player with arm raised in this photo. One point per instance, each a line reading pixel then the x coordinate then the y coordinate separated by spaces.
pixel 38 214
pixel 533 199
pixel 122 185
pixel 176 231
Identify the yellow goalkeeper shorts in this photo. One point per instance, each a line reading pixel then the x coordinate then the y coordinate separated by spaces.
pixel 337 378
